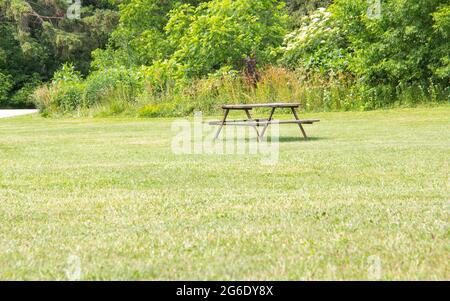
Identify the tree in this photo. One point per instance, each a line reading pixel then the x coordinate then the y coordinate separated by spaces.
pixel 222 33
pixel 318 45
pixel 404 44
pixel 140 38
pixel 441 67
pixel 36 38
pixel 300 8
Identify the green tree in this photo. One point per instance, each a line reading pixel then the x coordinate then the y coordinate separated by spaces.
pixel 300 8
pixel 407 42
pixel 221 33
pixel 199 36
pixel 37 37
pixel 140 38
pixel 318 45
pixel 404 44
pixel 441 67
pixel 6 84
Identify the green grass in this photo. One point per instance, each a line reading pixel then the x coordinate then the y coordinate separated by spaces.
pixel 369 185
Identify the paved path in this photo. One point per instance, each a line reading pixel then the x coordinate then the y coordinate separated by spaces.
pixel 13 113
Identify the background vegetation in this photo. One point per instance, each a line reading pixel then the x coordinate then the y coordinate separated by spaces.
pixel 161 58
pixel 36 38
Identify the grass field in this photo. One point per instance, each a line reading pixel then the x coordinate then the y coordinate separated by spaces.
pixel 367 198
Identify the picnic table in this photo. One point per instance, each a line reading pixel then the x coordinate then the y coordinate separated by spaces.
pixel 258 122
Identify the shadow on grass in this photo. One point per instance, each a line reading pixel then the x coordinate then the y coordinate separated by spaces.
pixel 300 139
pixel 284 139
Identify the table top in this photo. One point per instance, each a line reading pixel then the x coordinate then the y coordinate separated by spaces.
pixel 261 105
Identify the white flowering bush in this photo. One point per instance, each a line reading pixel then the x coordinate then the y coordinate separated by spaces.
pixel 318 45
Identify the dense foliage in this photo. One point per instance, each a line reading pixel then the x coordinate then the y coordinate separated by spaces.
pixel 198 37
pixel 171 57
pixel 300 8
pixel 408 43
pixel 37 37
pixel 404 45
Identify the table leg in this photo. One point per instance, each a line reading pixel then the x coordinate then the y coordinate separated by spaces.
pixel 225 115
pixel 267 125
pixel 251 119
pixel 301 127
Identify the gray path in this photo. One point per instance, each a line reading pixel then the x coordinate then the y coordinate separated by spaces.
pixel 13 113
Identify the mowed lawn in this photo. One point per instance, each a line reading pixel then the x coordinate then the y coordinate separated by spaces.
pixel 366 198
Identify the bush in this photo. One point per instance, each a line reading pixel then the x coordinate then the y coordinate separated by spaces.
pixel 23 98
pixel 68 92
pixel 128 83
pixel 43 98
pixel 441 26
pixel 69 97
pixel 58 98
pixel 6 84
pixel 191 57
pixel 404 44
pixel 312 90
pixel 67 74
pixel 221 33
pixel 63 95
pixel 157 110
pixel 319 45
pixel 113 106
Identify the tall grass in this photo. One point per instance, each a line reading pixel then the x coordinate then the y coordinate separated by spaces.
pixel 314 92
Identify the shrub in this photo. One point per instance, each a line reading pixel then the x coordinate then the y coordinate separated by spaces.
pixel 69 97
pixel 157 110
pixel 112 106
pixel 191 56
pixel 441 26
pixel 63 95
pixel 67 74
pixel 43 98
pixel 404 44
pixel 127 82
pixel 222 33
pixel 319 45
pixel 23 98
pixel 161 77
pixel 6 85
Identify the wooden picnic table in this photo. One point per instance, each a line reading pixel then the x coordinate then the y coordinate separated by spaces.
pixel 265 122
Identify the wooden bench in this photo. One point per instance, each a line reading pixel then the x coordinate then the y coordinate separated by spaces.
pixel 258 122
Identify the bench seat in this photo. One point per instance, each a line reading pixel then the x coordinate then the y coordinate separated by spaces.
pixel 263 122
pixel 264 105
